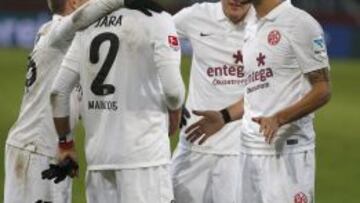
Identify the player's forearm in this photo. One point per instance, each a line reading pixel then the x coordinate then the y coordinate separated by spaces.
pixel 64 83
pixel 61 90
pixel 236 110
pixel 319 95
pixel 82 17
pixel 173 86
pixel 62 125
pixel 93 10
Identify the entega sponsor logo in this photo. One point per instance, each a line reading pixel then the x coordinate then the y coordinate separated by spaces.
pixel 102 105
pixel 260 75
pixel 237 71
pixel 226 71
pixel 108 21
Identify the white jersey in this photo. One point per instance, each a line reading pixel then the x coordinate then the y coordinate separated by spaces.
pixel 35 125
pixel 287 44
pixel 124 112
pixel 217 71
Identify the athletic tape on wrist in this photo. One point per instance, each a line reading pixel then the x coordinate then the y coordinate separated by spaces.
pixel 66 141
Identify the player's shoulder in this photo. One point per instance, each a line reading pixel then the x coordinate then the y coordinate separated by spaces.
pixel 45 28
pixel 157 20
pixel 302 15
pixel 43 33
pixel 163 17
pixel 124 15
pixel 300 18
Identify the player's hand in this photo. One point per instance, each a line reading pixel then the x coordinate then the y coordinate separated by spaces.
pixel 207 126
pixel 58 172
pixel 145 6
pixel 268 127
pixel 174 121
pixel 69 153
pixel 185 115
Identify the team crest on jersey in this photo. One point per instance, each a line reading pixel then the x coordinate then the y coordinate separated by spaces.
pixel 238 57
pixel 174 42
pixel 300 198
pixel 274 37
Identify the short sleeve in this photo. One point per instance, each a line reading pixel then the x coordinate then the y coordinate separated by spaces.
pixel 166 41
pixel 167 56
pixel 182 20
pixel 73 56
pixel 309 45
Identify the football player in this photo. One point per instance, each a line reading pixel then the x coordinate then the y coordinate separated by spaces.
pixel 287 73
pixel 30 146
pixel 206 172
pixel 128 66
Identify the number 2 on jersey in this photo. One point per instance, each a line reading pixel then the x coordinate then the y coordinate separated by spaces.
pixel 97 86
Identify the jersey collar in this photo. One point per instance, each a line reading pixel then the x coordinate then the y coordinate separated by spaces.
pixel 272 15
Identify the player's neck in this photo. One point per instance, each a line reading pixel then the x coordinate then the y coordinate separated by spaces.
pixel 66 12
pixel 263 7
pixel 235 20
pixel 68 9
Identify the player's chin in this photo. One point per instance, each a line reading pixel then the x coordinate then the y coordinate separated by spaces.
pixel 243 2
pixel 236 7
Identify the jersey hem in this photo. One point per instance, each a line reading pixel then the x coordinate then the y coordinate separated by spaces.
pixel 272 151
pixel 126 166
pixel 30 148
pixel 197 149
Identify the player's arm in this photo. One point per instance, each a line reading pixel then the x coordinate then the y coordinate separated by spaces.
pixel 310 50
pixel 92 10
pixel 213 121
pixel 60 102
pixel 63 86
pixel 318 96
pixel 167 60
pixel 67 78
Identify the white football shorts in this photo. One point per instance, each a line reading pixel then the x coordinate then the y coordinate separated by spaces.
pixel 204 178
pixel 23 182
pixel 140 185
pixel 287 178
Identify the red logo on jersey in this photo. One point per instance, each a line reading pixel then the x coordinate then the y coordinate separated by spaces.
pixel 238 57
pixel 174 42
pixel 274 37
pixel 300 198
pixel 261 59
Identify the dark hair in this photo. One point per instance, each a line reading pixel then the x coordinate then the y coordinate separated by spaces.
pixel 56 6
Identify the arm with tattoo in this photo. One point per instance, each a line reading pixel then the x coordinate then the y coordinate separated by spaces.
pixel 317 97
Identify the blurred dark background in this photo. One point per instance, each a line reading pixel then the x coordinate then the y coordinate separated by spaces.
pixel 19 21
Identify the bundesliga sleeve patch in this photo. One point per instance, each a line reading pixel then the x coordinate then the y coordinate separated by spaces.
pixel 319 47
pixel 174 42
